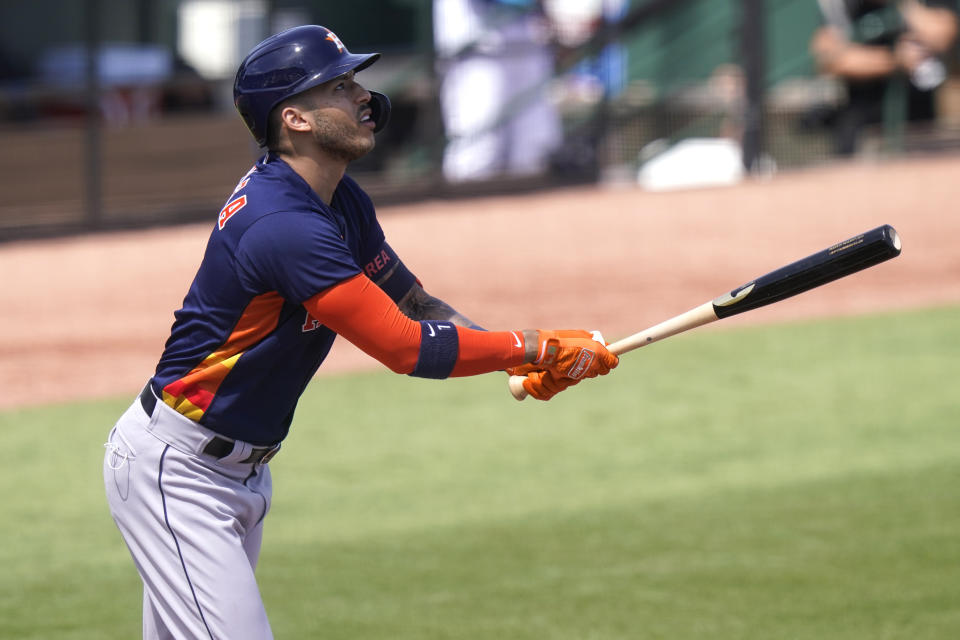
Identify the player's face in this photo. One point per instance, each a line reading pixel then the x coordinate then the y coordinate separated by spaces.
pixel 342 125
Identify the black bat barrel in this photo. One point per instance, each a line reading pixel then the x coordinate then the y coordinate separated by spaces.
pixel 842 259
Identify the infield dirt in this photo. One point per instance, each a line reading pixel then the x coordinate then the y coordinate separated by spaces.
pixel 87 317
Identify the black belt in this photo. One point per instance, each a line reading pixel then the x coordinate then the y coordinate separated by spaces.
pixel 218 447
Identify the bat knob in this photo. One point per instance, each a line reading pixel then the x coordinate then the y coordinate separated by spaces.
pixel 516 387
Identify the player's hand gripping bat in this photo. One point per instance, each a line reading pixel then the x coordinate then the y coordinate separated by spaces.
pixel 842 259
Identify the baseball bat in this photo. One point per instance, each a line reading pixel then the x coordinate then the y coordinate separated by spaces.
pixel 835 262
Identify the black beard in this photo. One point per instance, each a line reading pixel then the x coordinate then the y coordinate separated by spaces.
pixel 340 141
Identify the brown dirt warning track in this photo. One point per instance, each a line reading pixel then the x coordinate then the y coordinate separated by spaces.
pixel 87 317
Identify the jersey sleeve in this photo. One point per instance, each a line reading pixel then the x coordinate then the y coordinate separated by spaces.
pixel 295 254
pixel 378 261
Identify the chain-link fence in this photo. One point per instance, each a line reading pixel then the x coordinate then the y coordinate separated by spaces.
pixel 119 113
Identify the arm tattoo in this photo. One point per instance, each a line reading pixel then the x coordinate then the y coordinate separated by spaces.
pixel 417 304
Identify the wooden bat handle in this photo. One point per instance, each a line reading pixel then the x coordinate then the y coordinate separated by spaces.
pixel 696 317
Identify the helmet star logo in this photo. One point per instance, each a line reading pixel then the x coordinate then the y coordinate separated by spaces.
pixel 332 37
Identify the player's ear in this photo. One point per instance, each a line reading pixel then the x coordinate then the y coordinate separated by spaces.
pixel 294 118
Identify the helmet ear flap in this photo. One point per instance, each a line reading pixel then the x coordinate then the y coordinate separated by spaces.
pixel 380 110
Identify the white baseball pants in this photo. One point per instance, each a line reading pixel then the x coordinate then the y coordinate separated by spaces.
pixel 192 523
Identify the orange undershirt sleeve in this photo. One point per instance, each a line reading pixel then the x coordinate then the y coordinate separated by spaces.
pixel 485 351
pixel 361 312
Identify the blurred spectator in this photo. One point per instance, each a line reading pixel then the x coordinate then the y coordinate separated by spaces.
pixel 130 77
pixel 137 82
pixel 874 45
pixel 575 23
pixel 495 60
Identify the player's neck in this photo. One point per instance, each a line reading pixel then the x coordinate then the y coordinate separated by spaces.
pixel 323 175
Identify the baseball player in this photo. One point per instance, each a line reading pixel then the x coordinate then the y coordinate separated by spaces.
pixel 296 257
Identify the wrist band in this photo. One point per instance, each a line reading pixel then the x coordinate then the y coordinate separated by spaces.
pixel 439 349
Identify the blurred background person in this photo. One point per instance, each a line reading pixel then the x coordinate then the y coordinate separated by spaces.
pixel 575 22
pixel 875 46
pixel 495 62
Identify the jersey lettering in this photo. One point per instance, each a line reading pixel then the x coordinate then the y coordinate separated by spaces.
pixel 310 324
pixel 232 207
pixel 245 179
pixel 378 264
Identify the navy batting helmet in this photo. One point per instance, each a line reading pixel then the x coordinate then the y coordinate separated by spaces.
pixel 291 62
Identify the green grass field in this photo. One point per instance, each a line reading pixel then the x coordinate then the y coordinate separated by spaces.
pixel 795 481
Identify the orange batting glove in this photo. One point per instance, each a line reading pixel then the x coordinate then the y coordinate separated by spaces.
pixel 543 381
pixel 573 355
pixel 542 385
pixel 528 367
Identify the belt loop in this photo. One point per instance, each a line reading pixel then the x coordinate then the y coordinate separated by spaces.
pixel 180 431
pixel 238 451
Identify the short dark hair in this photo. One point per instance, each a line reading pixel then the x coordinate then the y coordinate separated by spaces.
pixel 273 127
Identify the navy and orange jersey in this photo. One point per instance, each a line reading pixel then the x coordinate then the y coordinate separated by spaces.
pixel 243 347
